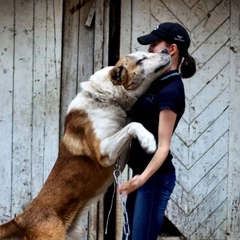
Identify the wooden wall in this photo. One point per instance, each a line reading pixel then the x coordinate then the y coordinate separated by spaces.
pixel 205 202
pixel 30 72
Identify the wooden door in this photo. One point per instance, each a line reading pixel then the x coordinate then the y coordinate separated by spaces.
pixel 85 50
pixel 203 205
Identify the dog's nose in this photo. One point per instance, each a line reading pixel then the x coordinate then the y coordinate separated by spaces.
pixel 165 51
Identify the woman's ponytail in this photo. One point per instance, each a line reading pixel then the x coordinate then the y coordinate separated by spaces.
pixel 188 66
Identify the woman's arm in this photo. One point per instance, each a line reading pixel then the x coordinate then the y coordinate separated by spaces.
pixel 167 119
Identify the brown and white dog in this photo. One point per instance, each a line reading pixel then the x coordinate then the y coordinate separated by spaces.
pixel 94 137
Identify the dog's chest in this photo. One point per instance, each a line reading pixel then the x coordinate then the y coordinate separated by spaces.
pixel 106 119
pixel 106 122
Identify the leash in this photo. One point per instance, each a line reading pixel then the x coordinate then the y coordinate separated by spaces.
pixel 117 174
pixel 122 199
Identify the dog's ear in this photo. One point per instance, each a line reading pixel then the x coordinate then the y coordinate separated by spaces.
pixel 119 75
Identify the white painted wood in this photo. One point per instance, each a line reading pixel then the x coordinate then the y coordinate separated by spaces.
pixel 99 33
pixel 233 223
pixel 220 233
pixel 38 100
pixel 31 46
pixel 208 72
pixel 91 15
pixel 141 22
pixel 200 144
pixel 52 94
pixel 200 214
pixel 86 43
pixel 160 13
pixel 211 91
pixel 126 27
pixel 6 105
pixel 22 106
pixel 211 22
pixel 106 32
pixel 207 229
pixel 70 57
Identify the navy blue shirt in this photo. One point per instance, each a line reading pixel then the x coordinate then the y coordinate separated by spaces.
pixel 164 93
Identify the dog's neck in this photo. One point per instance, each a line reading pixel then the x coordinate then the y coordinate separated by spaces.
pixel 102 91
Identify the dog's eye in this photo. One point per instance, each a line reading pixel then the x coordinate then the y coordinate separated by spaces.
pixel 140 60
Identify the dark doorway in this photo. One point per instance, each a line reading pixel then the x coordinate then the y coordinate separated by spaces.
pixel 114 43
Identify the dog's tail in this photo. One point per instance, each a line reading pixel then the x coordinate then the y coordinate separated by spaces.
pixel 10 229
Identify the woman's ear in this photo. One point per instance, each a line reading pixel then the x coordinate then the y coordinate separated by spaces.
pixel 173 49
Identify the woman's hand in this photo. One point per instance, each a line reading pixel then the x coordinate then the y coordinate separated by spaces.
pixel 127 187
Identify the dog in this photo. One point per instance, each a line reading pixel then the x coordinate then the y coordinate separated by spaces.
pixel 95 134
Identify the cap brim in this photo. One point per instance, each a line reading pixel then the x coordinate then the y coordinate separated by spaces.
pixel 148 39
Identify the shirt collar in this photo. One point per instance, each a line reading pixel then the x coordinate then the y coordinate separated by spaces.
pixel 169 74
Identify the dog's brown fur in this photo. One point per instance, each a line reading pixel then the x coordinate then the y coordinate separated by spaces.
pixel 83 169
pixel 73 181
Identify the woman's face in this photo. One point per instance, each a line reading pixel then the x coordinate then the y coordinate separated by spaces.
pixel 157 46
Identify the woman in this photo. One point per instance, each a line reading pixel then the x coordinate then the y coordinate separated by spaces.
pixel 159 110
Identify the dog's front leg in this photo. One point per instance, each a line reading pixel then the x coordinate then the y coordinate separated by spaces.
pixel 112 147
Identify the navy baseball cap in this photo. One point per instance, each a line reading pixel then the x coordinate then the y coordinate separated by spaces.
pixel 170 32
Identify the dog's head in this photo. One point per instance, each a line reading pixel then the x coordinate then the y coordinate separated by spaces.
pixel 138 70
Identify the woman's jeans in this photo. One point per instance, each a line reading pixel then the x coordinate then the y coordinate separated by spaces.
pixel 146 206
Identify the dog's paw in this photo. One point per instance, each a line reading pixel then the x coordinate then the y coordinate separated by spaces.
pixel 145 138
pixel 148 143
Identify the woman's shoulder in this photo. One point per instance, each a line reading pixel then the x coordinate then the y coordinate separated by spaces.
pixel 170 86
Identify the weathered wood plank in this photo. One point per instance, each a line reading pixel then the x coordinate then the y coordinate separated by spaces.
pixel 126 27
pixel 221 232
pixel 208 160
pixel 208 71
pixel 188 225
pixel 93 222
pixel 212 21
pixel 207 184
pixel 200 169
pixel 86 43
pixel 106 32
pixel 141 22
pixel 234 133
pixel 210 203
pixel 212 44
pixel 210 114
pixel 210 92
pixel 209 137
pixel 22 105
pixel 6 105
pixel 207 229
pixel 53 74
pixel 98 38
pixel 160 13
pixel 70 57
pixel 39 100
pixel 179 149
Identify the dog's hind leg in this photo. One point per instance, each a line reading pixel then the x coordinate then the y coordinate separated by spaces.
pixel 54 236
pixel 112 147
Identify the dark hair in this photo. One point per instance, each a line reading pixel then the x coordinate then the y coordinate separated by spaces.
pixel 188 66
